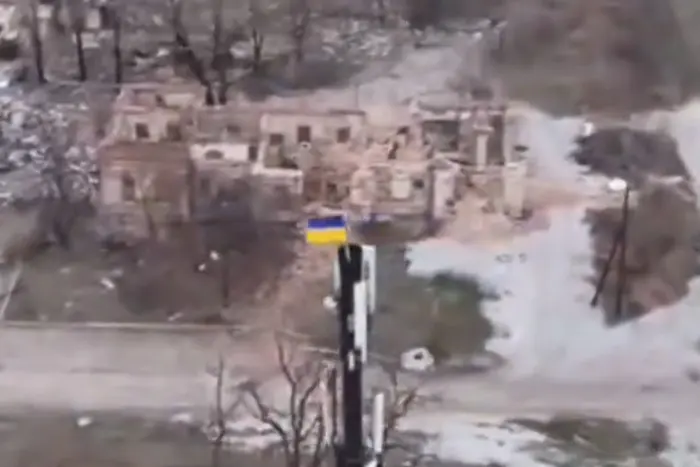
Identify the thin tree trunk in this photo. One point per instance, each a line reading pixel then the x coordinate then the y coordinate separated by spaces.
pixel 225 279
pixel 182 42
pixel 37 44
pixel 62 215
pixel 218 63
pixel 151 226
pixel 223 88
pixel 381 12
pixel 117 49
pixel 258 42
pixel 80 51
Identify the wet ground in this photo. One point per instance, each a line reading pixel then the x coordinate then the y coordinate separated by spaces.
pixel 442 313
pixel 109 440
pixel 40 440
pixel 595 441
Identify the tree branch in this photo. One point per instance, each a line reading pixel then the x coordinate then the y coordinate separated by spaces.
pixel 305 416
pixel 220 419
pixel 263 413
pixel 183 44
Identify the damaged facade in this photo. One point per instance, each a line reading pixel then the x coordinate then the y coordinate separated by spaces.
pixel 144 161
pixel 483 139
pixel 166 157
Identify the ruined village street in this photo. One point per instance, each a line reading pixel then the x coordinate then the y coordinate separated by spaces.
pixel 163 372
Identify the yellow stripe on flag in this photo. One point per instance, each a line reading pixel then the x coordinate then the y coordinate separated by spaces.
pixel 327 237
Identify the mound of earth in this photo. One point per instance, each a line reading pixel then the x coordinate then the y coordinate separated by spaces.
pixel 613 55
pixel 664 224
pixel 603 441
pixel 630 154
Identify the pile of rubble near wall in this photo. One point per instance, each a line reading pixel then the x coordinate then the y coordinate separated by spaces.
pixel 664 223
pixel 30 139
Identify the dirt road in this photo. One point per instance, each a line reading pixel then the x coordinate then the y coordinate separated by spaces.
pixel 167 370
pixel 106 367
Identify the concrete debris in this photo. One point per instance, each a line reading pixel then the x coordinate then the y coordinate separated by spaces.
pixel 30 139
pixel 183 418
pixel 84 422
pixel 330 304
pixel 107 283
pixel 175 317
pixel 418 359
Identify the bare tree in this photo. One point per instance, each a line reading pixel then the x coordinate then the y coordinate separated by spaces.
pixel 301 426
pixel 382 8
pixel 75 11
pixel 401 399
pixel 36 40
pixel 420 15
pixel 184 50
pixel 221 58
pixel 212 74
pixel 220 414
pixel 304 425
pixel 299 12
pixel 116 25
pixel 262 15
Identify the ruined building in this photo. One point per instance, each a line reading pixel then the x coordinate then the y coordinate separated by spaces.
pixel 483 139
pixel 399 176
pixel 167 158
pixel 144 161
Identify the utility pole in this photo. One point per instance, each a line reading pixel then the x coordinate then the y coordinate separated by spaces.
pixel 621 262
pixel 354 301
pixel 619 243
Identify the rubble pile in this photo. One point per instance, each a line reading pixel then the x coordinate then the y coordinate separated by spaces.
pixel 38 153
pixel 630 154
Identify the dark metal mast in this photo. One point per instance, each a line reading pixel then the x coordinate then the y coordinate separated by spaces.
pixel 351 450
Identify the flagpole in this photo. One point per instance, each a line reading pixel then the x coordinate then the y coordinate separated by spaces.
pixel 354 301
pixel 350 271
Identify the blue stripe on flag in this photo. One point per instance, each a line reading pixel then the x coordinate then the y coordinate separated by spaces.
pixel 330 222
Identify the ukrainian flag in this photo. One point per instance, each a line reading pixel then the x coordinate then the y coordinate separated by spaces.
pixel 331 230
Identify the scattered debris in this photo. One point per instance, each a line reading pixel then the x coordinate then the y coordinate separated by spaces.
pixel 330 304
pixel 183 418
pixel 107 283
pixel 419 359
pixel 84 422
